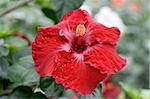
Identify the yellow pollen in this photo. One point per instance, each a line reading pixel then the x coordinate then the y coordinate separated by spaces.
pixel 80 30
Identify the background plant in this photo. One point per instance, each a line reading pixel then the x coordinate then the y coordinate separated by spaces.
pixel 19 20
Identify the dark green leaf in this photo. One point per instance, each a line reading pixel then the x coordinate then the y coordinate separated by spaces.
pixel 45 82
pixel 24 92
pixel 38 95
pixel 21 92
pixel 63 6
pixel 4 65
pixel 50 14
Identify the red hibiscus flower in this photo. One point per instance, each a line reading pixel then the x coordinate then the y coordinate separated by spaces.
pixel 78 52
pixel 110 90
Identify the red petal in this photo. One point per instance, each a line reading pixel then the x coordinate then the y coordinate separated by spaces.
pixel 74 74
pixel 45 50
pixel 102 34
pixel 104 58
pixel 69 22
pixel 76 15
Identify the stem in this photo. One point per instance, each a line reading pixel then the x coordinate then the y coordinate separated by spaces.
pixel 19 4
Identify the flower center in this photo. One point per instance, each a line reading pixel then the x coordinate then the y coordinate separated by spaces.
pixel 79 44
pixel 80 30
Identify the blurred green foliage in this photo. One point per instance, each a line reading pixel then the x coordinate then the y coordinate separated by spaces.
pixel 17 76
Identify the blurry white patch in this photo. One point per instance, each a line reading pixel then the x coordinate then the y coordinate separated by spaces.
pixel 1 42
pixel 65 47
pixel 39 90
pixel 78 57
pixel 110 18
pixel 87 8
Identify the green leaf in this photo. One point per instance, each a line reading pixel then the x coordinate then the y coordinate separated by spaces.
pixel 15 43
pixel 94 95
pixel 50 14
pixel 43 3
pixel 5 34
pixel 21 92
pixel 130 92
pixel 45 82
pixel 4 65
pixel 54 90
pixel 23 71
pixel 4 51
pixel 63 6
pixel 24 92
pixel 21 53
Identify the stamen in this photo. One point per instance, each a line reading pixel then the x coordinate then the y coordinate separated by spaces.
pixel 80 30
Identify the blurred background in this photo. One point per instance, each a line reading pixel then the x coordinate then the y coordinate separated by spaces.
pixel 19 20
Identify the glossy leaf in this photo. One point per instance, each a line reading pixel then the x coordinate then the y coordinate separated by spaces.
pixel 50 14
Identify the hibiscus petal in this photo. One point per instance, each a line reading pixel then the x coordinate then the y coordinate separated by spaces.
pixel 45 50
pixel 74 74
pixel 71 20
pixel 78 15
pixel 102 34
pixel 104 58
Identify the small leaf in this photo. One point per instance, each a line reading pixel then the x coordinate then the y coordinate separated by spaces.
pixel 5 34
pixel 45 82
pixel 44 3
pixel 50 14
